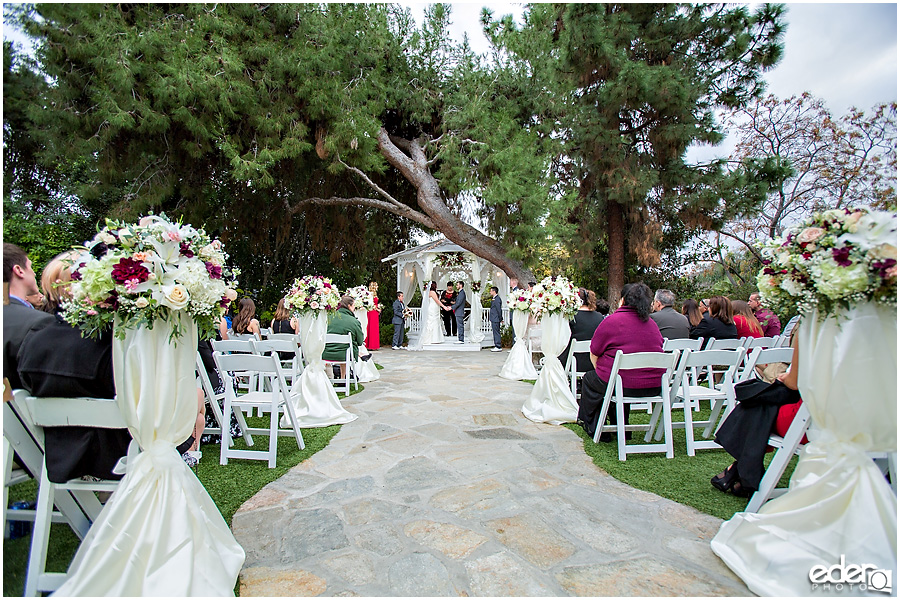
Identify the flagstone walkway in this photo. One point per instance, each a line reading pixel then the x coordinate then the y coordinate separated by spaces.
pixel 443 488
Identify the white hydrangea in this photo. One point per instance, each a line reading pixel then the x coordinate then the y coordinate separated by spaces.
pixel 835 281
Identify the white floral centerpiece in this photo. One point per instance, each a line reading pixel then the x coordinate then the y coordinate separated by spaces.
pixel 312 293
pixel 363 299
pixel 554 295
pixel 476 286
pixel 520 300
pixel 832 261
pixel 455 276
pixel 452 260
pixel 146 271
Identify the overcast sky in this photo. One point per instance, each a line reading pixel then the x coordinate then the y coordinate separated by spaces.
pixel 845 54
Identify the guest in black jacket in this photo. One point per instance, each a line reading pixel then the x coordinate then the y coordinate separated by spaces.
pixel 583 326
pixel 717 323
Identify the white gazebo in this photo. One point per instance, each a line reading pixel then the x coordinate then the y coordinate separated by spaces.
pixel 443 261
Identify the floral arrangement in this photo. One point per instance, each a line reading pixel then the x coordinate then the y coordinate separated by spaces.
pixel 455 276
pixel 133 274
pixel 476 286
pixel 554 295
pixel 452 260
pixel 363 299
pixel 520 300
pixel 312 293
pixel 831 261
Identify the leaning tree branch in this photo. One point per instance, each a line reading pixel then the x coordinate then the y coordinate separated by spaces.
pixel 402 210
pixel 371 183
pixel 748 246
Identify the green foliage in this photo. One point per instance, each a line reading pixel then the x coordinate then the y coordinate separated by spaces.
pixel 506 336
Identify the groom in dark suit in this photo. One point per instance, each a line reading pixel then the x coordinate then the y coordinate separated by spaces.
pixel 398 321
pixel 459 310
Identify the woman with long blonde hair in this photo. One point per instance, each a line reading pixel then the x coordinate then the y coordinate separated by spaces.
pixel 745 320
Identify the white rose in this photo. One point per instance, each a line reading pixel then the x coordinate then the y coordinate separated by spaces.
pixel 791 287
pixel 883 251
pixel 106 237
pixel 141 302
pixel 175 297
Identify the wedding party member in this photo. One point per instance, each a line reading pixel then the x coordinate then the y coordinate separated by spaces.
pixel 431 332
pixel 671 324
pixel 343 322
pixel 514 287
pixel 691 309
pixel 628 329
pixel 283 322
pixel 448 297
pixel 245 321
pixel 373 331
pixel 19 317
pixel 459 311
pixel 717 323
pixel 495 316
pixel 399 322
pixel 745 321
pixel 583 325
pixel 768 320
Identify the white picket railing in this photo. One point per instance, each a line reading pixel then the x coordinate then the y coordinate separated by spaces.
pixel 414 322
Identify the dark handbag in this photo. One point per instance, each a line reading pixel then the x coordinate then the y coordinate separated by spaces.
pixel 755 391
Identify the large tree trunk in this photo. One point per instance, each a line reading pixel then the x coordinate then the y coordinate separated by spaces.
pixel 408 157
pixel 615 236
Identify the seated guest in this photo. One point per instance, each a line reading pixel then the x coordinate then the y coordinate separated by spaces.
pixel 691 310
pixel 704 306
pixel 342 323
pixel 245 321
pixel 769 322
pixel 19 317
pixel 745 432
pixel 746 323
pixel 672 325
pixel 602 303
pixel 283 322
pixel 628 329
pixel 717 323
pixel 582 326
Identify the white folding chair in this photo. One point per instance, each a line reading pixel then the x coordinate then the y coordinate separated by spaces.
pixel 246 337
pixel 715 344
pixel 60 412
pixel 788 329
pixel 682 344
pixel 761 342
pixel 350 374
pixel 578 347
pixel 294 365
pixel 785 448
pixel 614 393
pixel 720 395
pixel 764 356
pixel 273 401
pixel 284 336
pixel 214 399
pixel 246 381
pixel 264 333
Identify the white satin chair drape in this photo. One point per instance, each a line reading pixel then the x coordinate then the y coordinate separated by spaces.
pixel 518 364
pixel 365 369
pixel 474 333
pixel 551 400
pixel 160 534
pixel 315 402
pixel 838 504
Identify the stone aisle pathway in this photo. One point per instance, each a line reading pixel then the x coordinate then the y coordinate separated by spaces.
pixel 443 488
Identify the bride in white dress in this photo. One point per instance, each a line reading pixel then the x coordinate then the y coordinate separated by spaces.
pixel 432 332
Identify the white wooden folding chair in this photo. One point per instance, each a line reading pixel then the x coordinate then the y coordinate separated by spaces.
pixel 61 412
pixel 578 347
pixel 761 342
pixel 682 344
pixel 293 366
pixel 264 333
pixel 764 356
pixel 720 395
pixel 246 381
pixel 715 344
pixel 284 336
pixel 785 448
pixel 788 329
pixel 273 401
pixel 214 400
pixel 349 373
pixel 615 394
pixel 245 337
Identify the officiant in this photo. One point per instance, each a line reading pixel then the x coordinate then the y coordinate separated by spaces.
pixel 448 297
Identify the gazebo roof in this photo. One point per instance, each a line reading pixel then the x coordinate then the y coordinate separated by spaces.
pixel 439 245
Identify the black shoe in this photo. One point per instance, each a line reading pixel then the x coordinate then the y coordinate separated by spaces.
pixel 605 437
pixel 739 490
pixel 724 482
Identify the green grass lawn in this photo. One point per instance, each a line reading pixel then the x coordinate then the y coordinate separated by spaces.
pixel 684 478
pixel 229 486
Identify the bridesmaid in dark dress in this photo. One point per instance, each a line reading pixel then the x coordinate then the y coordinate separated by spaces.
pixel 283 322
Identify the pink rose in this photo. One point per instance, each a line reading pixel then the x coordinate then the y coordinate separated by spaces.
pixel 810 234
pixel 314 305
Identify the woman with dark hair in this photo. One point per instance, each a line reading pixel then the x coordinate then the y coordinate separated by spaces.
pixel 628 329
pixel 745 321
pixel 691 309
pixel 583 326
pixel 718 323
pixel 245 321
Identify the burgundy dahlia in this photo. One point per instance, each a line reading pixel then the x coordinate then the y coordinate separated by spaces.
pixel 842 256
pixel 215 271
pixel 185 249
pixel 128 268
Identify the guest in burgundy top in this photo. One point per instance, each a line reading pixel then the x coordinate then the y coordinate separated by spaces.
pixel 628 329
